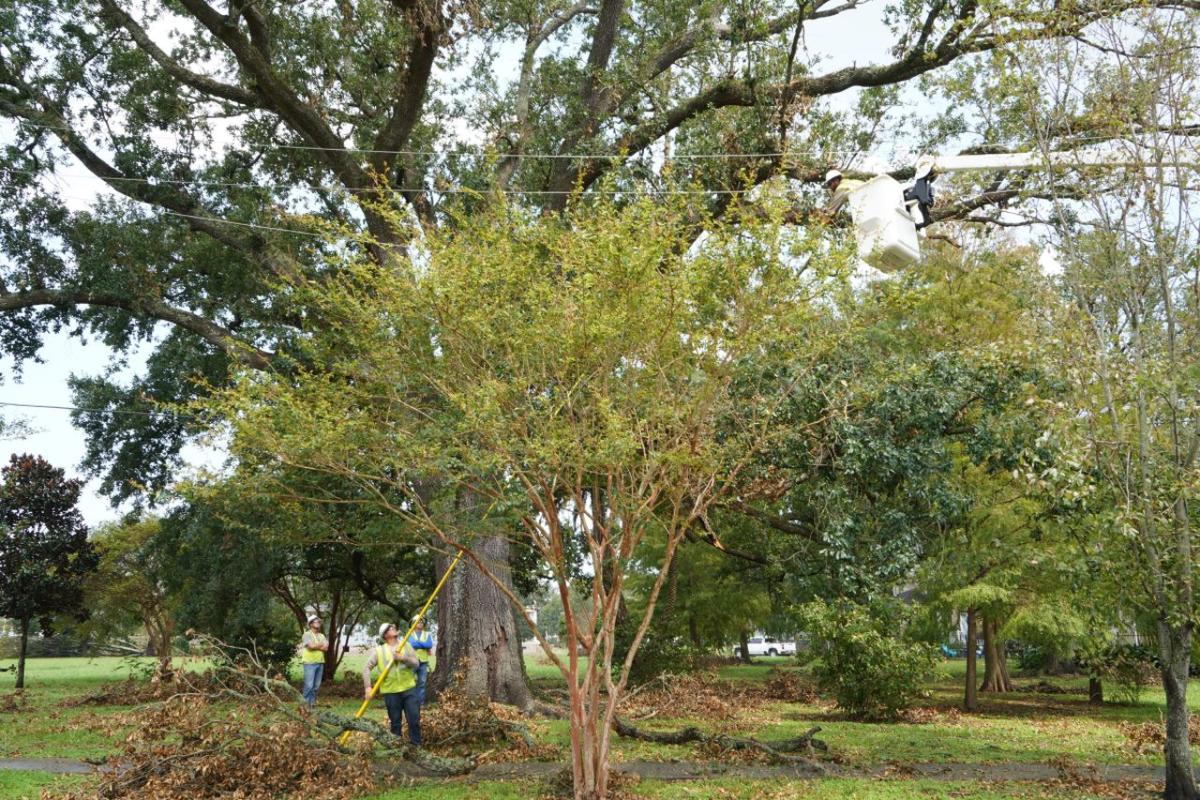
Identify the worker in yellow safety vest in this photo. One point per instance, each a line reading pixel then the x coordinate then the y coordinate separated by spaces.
pixel 399 688
pixel 422 642
pixel 314 646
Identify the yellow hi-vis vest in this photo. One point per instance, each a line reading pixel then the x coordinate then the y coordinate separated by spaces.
pixel 400 677
pixel 313 656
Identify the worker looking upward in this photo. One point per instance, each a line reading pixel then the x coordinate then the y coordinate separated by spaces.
pixel 421 641
pixel 399 686
pixel 839 188
pixel 314 645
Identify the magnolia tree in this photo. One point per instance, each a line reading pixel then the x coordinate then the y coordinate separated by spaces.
pixel 571 382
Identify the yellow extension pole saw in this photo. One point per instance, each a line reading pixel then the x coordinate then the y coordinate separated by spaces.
pixel 412 627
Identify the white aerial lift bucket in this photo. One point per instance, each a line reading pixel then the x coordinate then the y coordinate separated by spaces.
pixel 886 232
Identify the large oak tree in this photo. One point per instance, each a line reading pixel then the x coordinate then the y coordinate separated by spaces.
pixel 223 134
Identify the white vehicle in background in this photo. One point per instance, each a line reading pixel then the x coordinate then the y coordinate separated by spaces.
pixel 766 646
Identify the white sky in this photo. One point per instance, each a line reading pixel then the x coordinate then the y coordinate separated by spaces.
pixel 856 37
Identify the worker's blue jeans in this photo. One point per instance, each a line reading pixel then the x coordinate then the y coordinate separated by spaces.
pixel 422 674
pixel 405 705
pixel 312 681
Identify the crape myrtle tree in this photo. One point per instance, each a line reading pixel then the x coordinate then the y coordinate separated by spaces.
pixel 221 133
pixel 44 550
pixel 581 378
pixel 1128 328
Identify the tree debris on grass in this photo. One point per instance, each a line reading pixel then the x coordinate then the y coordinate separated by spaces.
pixel 621 785
pixel 704 694
pixel 799 750
pixel 134 692
pixel 456 722
pixel 1149 738
pixel 12 702
pixel 1084 780
pixel 201 748
pixel 241 732
pixel 931 715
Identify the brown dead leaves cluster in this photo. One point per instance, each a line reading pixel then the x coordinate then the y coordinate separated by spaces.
pixel 455 724
pixel 931 715
pixel 189 746
pixel 1147 738
pixel 134 692
pixel 12 703
pixel 705 695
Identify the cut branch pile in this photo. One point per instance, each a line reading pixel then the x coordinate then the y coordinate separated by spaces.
pixel 457 721
pixel 240 732
pixel 198 747
pixel 133 692
pixel 703 694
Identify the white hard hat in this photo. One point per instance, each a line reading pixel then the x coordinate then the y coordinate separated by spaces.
pixel 417 619
pixel 832 175
pixel 383 628
pixel 313 618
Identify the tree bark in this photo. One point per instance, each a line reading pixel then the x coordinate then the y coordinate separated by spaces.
pixel 971 701
pixel 995 671
pixel 478 647
pixel 744 646
pixel 21 654
pixel 1175 645
pixel 1095 691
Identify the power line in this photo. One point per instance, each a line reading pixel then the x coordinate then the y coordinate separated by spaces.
pixel 254 225
pixel 481 151
pixel 82 410
pixel 482 192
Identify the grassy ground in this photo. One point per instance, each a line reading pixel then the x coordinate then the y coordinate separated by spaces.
pixel 728 789
pixel 1022 727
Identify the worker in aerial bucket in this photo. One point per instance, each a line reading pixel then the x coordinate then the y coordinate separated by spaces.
pixel 839 188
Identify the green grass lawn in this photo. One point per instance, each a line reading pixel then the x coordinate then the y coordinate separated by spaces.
pixel 1018 727
pixel 21 785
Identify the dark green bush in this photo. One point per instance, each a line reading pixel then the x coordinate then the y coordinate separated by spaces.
pixel 864 661
pixel 1127 668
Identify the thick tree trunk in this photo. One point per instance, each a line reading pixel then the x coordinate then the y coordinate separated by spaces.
pixel 995 671
pixel 971 700
pixel 21 654
pixel 478 647
pixel 1175 645
pixel 744 646
pixel 1095 691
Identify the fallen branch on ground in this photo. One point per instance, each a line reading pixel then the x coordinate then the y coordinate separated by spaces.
pixel 783 750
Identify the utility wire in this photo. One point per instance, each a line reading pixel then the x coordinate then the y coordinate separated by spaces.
pixel 482 151
pixel 482 192
pixel 81 410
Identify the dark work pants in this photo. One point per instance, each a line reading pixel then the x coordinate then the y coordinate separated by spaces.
pixel 405 705
pixel 422 676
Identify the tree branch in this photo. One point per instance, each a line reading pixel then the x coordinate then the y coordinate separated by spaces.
pixel 201 83
pixel 211 332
